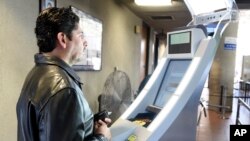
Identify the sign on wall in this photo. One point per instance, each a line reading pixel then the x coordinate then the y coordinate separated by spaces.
pixel 230 43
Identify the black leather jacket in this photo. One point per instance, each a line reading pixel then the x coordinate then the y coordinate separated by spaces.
pixel 52 106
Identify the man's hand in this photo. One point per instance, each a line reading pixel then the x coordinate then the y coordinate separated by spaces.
pixel 101 127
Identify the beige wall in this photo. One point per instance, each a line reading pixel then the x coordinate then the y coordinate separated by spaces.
pixel 121 48
pixel 17 46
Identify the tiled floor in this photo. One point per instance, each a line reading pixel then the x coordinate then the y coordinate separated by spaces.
pixel 215 127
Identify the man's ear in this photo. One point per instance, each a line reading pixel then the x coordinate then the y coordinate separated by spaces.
pixel 61 38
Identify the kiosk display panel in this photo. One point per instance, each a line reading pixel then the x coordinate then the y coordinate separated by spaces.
pixel 172 77
pixel 180 43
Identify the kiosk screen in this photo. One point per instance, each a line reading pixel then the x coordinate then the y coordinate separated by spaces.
pixel 172 77
pixel 180 43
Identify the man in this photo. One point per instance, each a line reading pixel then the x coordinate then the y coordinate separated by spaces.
pixel 51 106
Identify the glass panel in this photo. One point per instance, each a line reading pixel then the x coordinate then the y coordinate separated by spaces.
pixel 206 6
pixel 174 74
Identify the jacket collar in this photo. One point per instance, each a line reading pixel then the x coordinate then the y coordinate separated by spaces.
pixel 52 60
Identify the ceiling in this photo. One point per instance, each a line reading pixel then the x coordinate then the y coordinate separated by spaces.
pixel 165 18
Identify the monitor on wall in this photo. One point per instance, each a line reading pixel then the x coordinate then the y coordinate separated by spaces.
pixel 92 28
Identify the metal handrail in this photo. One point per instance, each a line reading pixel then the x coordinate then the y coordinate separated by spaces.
pixel 240 102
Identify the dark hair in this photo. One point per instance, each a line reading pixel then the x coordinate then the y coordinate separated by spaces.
pixel 52 21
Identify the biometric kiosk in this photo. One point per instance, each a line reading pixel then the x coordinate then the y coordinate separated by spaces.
pixel 166 108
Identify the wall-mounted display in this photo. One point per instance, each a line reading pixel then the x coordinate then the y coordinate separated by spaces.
pixel 43 4
pixel 92 28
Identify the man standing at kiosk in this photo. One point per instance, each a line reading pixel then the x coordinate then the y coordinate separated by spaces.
pixel 52 106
